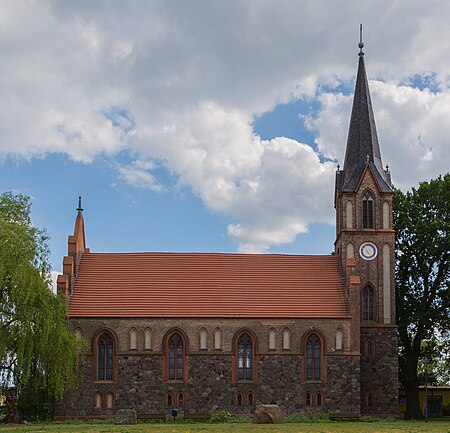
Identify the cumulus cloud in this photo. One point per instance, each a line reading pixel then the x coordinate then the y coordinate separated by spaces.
pixel 412 127
pixel 181 83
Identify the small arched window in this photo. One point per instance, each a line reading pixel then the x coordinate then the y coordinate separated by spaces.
pixel 319 399
pixel 217 339
pixel 339 339
pixel 272 339
pixel 176 357
pixel 203 337
pixel 370 348
pixel 147 339
pixel 370 400
pixel 250 399
pixel 239 399
pixel 350 251
pixel 180 399
pixel 308 399
pixel 286 339
pixel 245 357
pixel 97 400
pixel 109 400
pixel 368 303
pixel 367 211
pixel 313 354
pixel 169 399
pixel 133 339
pixel 105 357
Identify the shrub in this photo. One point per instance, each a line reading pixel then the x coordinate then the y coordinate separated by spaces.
pixel 228 418
pixel 321 417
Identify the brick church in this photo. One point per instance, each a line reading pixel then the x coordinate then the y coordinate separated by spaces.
pixel 207 332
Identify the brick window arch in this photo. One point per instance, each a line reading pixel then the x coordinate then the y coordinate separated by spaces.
pixel 175 357
pixel 313 357
pixel 97 400
pixel 110 400
pixel 370 348
pixel 180 399
pixel 245 357
pixel 319 399
pixel 104 357
pixel 368 210
pixel 251 399
pixel 308 399
pixel 368 301
pixel 239 399
pixel 169 399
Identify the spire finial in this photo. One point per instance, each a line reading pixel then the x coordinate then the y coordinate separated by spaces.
pixel 79 208
pixel 361 43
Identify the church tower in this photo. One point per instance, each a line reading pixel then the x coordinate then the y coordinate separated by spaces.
pixel 365 242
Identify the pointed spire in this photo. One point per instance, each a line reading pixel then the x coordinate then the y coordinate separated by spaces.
pixel 79 208
pixel 362 142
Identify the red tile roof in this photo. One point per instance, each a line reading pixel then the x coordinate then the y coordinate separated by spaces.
pixel 208 285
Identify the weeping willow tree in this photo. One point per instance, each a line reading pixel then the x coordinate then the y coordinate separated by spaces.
pixel 37 350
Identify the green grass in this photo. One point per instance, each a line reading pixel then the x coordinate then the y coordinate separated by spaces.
pixel 330 427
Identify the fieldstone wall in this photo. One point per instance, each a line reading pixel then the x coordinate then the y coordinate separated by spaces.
pixel 342 395
pixel 379 371
pixel 138 374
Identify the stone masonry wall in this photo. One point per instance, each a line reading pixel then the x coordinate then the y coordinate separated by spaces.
pixel 379 372
pixel 209 386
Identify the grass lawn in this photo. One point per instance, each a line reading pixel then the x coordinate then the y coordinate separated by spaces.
pixel 329 427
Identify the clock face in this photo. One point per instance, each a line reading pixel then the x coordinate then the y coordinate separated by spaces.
pixel 368 251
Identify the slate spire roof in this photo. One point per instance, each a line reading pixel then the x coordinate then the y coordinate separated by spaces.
pixel 362 143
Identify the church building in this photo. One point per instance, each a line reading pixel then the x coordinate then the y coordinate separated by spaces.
pixel 207 332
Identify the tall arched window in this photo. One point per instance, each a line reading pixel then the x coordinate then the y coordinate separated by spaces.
pixel 175 357
pixel 239 399
pixel 245 358
pixel 367 211
pixel 105 357
pixel 250 399
pixel 97 400
pixel 319 399
pixel 370 400
pixel 109 400
pixel 313 352
pixel 180 399
pixel 368 312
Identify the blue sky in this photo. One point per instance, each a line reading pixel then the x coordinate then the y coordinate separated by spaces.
pixel 211 127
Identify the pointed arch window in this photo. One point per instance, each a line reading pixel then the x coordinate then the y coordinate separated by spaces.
pixel 203 337
pixel 239 399
pixel 97 400
pixel 368 312
pixel 133 339
pixel 147 339
pixel 370 400
pixel 109 400
pixel 286 339
pixel 176 357
pixel 313 355
pixel 308 399
pixel 250 399
pixel 180 399
pixel 169 399
pixel 245 357
pixel 217 339
pixel 105 357
pixel 272 339
pixel 367 210
pixel 319 399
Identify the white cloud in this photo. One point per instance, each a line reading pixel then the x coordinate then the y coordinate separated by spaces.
pixel 412 127
pixel 180 82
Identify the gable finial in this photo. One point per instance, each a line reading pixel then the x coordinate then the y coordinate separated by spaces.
pixel 367 158
pixel 361 43
pixel 79 208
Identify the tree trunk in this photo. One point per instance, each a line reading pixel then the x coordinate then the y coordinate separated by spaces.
pixel 412 399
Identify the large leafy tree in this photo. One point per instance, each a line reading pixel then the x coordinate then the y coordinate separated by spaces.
pixel 37 350
pixel 422 224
